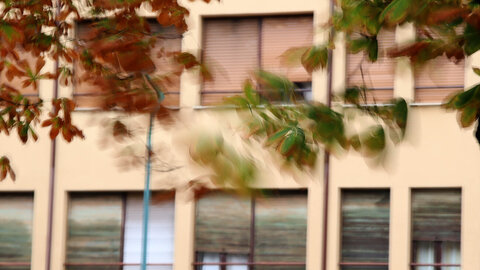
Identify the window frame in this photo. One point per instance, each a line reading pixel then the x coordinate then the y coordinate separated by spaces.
pixel 259 18
pixel 437 264
pixel 123 195
pixel 222 265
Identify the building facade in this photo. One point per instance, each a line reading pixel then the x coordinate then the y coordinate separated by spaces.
pixel 416 212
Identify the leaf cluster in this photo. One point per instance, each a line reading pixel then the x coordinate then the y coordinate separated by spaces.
pixel 298 130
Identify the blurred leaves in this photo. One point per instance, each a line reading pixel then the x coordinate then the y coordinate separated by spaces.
pixel 298 132
pixel 467 105
pixel 229 167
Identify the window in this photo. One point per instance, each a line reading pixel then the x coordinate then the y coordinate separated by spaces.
pixel 437 79
pixel 365 229
pixel 16 218
pixel 240 233
pixel 436 221
pixel 88 95
pixel 105 232
pixel 234 47
pixel 378 76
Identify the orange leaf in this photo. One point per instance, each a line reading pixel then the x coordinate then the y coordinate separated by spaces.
pixel 39 65
pixel 135 61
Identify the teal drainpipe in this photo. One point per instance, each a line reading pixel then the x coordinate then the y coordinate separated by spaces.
pixel 146 190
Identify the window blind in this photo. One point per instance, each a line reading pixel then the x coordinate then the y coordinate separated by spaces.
pixel 280 229
pixel 380 75
pixel 437 79
pixel 234 48
pixel 365 227
pixel 436 226
pixel 231 50
pixel 16 218
pixel 222 224
pixel 94 229
pixel 436 214
pixel 280 34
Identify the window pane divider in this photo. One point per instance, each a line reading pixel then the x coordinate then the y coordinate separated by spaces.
pixel 250 263
pixel 363 263
pixel 114 264
pixel 436 264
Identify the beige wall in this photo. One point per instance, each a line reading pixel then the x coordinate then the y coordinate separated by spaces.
pixel 436 153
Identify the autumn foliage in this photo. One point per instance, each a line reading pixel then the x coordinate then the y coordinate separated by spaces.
pixel 116 52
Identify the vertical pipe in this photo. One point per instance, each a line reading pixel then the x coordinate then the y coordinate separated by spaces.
pixel 326 159
pixel 146 194
pixel 51 185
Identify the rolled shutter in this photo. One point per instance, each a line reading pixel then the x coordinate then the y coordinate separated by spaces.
pixel 222 224
pixel 365 226
pixel 437 79
pixel 380 75
pixel 436 215
pixel 160 231
pixel 280 34
pixel 16 215
pixel 281 228
pixel 94 229
pixel 230 50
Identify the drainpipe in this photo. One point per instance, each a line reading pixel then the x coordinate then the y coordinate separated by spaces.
pixel 146 194
pixel 146 191
pixel 326 159
pixel 51 188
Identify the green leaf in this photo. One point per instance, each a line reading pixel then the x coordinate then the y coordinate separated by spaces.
pixel 277 136
pixel 238 101
pixel 251 94
pixel 395 12
pixel 288 144
pixel 468 116
pixel 400 113
pixel 352 95
pixel 476 70
pixel 315 58
pixel 359 44
pixel 375 140
pixel 472 42
pixel 275 87
pixel 464 98
pixel 373 49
